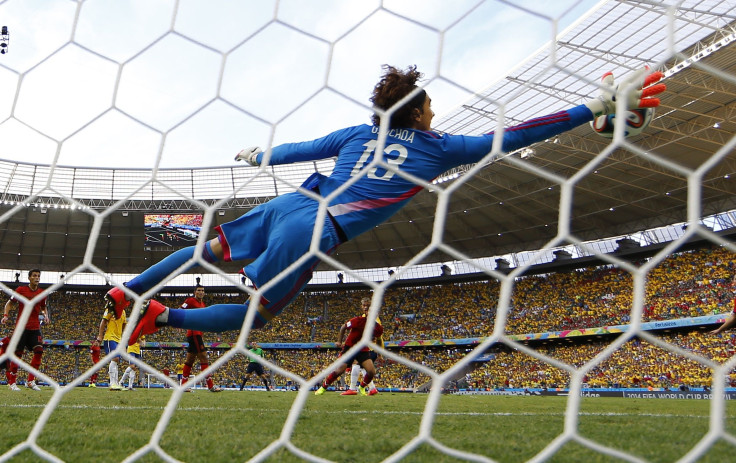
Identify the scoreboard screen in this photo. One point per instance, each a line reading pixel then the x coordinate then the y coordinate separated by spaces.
pixel 171 230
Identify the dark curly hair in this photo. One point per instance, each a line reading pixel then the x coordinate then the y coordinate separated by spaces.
pixel 394 85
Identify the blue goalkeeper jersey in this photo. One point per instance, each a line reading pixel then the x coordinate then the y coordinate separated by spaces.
pixel 379 192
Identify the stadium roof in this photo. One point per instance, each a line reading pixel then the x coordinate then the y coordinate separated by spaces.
pixel 508 206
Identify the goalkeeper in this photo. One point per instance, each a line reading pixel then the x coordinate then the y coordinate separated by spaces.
pixel 365 189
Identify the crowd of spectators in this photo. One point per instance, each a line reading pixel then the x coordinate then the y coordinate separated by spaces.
pixel 686 284
pixel 637 363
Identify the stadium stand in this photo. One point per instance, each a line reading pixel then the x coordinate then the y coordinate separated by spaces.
pixel 686 284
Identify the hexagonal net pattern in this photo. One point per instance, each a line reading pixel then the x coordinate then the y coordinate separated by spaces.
pixel 188 66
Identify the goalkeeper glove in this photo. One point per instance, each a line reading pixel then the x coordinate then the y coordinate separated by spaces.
pixel 249 155
pixel 637 90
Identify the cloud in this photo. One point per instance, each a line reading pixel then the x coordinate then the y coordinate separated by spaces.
pixel 208 78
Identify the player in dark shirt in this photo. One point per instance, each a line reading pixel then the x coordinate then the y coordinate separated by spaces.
pixel 356 325
pixel 31 339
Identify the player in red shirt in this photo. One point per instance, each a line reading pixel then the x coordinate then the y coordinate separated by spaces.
pixel 356 325
pixel 94 352
pixel 196 348
pixel 31 339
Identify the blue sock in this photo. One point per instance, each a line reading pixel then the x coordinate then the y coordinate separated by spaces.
pixel 218 317
pixel 207 253
pixel 160 271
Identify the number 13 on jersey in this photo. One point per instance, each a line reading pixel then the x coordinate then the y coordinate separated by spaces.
pixel 394 155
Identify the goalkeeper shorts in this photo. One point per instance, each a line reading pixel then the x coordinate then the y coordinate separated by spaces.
pixel 277 234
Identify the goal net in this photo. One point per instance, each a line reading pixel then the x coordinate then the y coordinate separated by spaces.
pixel 151 86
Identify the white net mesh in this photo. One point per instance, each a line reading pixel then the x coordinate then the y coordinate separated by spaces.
pixel 186 81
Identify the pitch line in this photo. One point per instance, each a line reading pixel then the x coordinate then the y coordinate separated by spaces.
pixel 356 412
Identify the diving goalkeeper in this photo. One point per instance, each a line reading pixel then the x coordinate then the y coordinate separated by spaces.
pixel 366 188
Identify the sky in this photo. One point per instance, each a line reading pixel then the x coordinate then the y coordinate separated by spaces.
pixel 146 83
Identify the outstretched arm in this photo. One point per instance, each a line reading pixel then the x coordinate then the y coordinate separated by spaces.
pixel 321 148
pixel 636 91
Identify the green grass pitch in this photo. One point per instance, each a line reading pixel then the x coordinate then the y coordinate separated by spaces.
pixel 97 425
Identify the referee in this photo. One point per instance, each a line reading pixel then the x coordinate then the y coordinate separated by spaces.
pixel 255 367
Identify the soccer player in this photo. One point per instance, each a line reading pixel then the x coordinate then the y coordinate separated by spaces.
pixel 94 352
pixel 31 339
pixel 197 348
pixel 255 367
pixel 110 332
pixel 132 370
pixel 363 194
pixel 356 369
pixel 356 325
pixel 179 368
